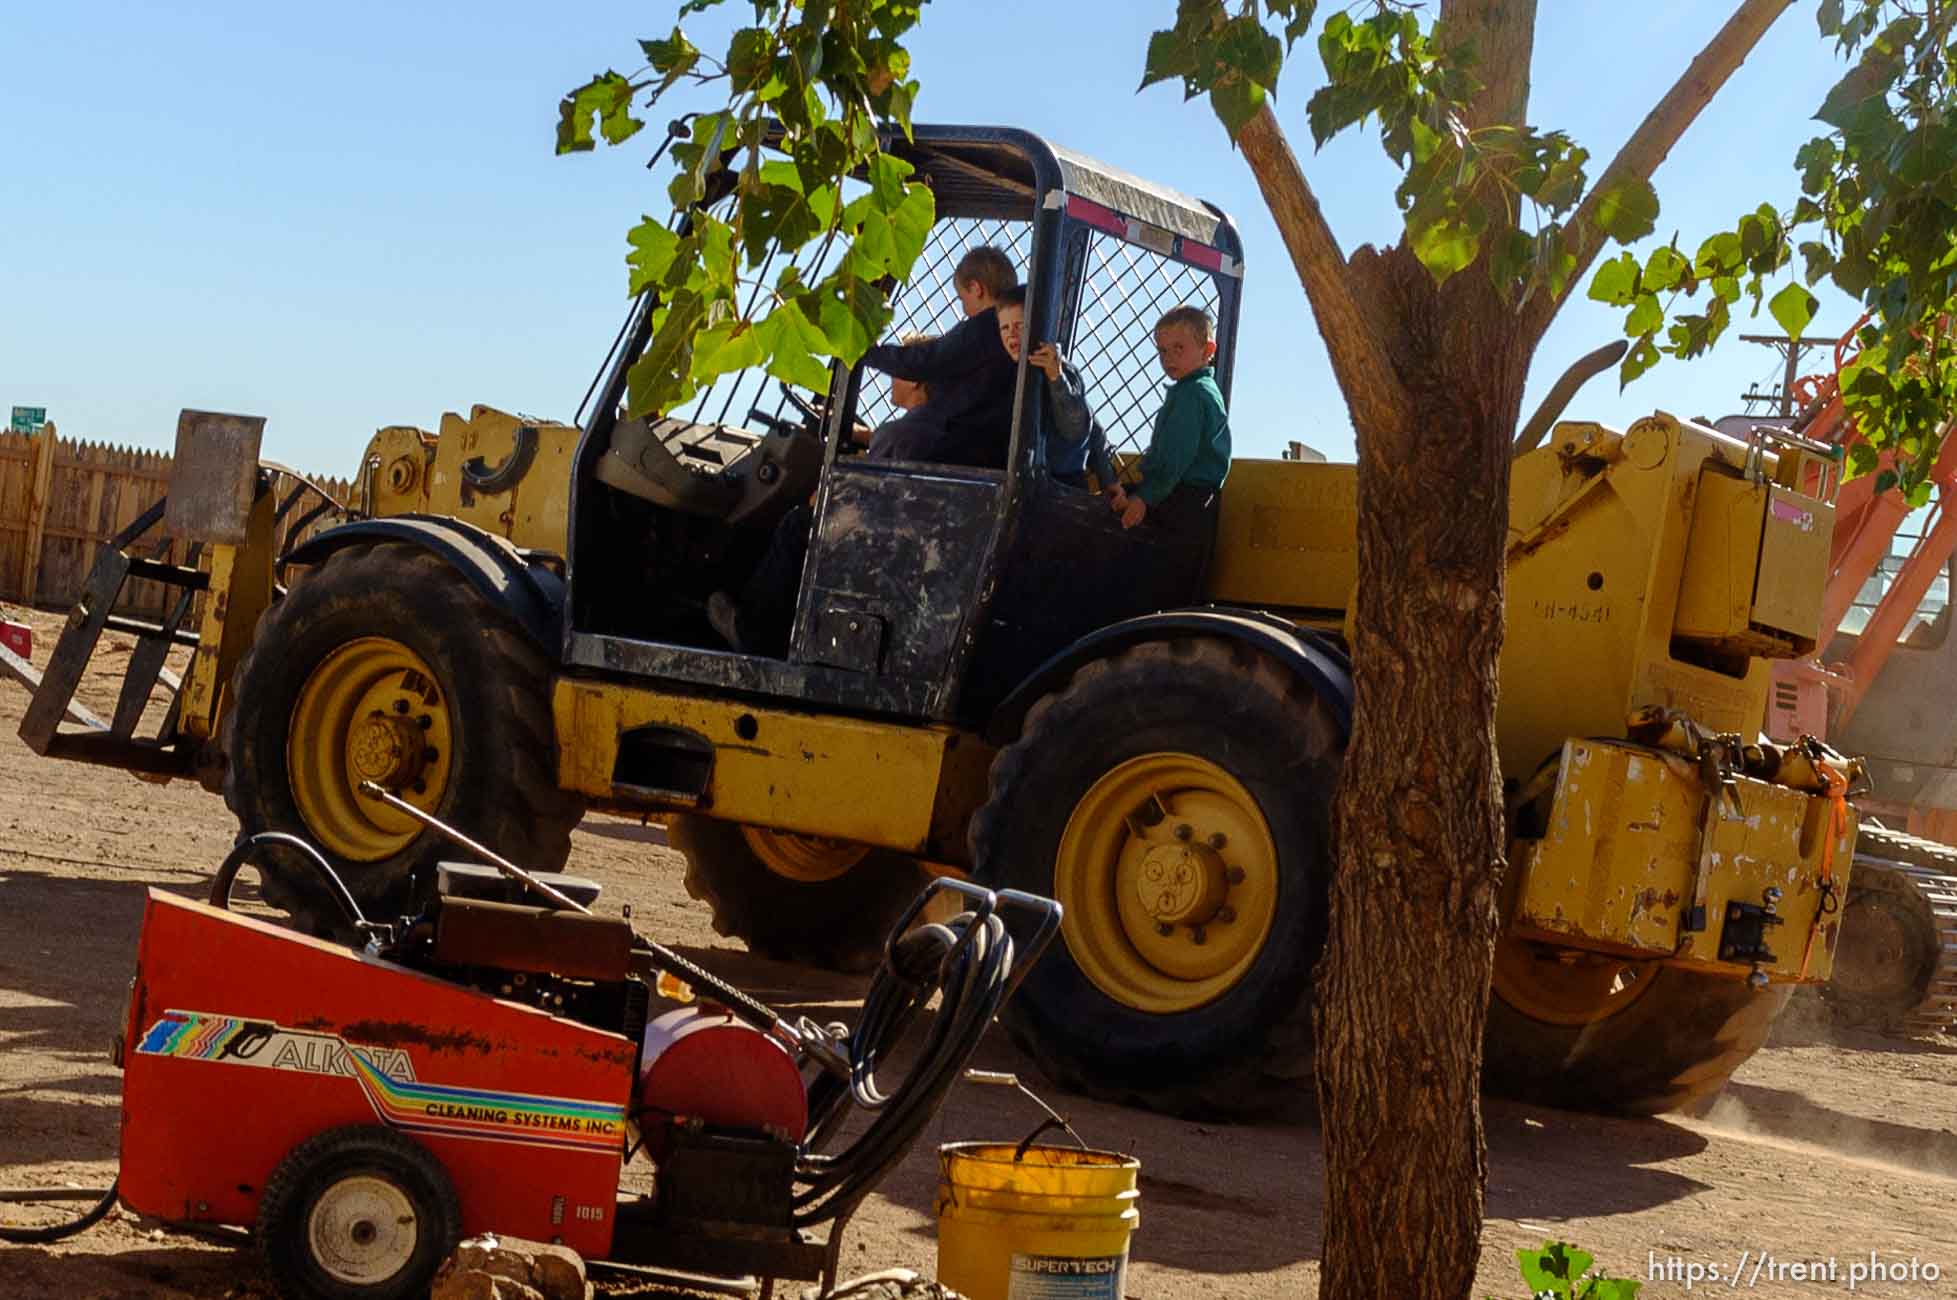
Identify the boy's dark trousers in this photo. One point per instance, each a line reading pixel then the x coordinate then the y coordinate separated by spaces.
pixel 767 601
pixel 1187 518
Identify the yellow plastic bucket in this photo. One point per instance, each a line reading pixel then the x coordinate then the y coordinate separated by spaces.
pixel 1051 1224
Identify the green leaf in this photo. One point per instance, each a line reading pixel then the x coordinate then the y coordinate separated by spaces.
pixel 1511 259
pixel 776 216
pixel 1617 281
pixel 1718 255
pixel 724 349
pixel 1540 1272
pixel 1886 480
pixel 875 245
pixel 751 58
pixel 606 100
pixel 1642 357
pixel 910 227
pixel 672 58
pixel 1449 244
pixel 795 348
pixel 1628 210
pixel 901 98
pixel 1236 101
pixel 887 175
pixel 1645 317
pixel 1612 1288
pixel 1245 48
pixel 651 255
pixel 1819 261
pixel 1297 16
pixel 854 315
pixel 1793 307
pixel 657 378
pixel 1169 55
pixel 1664 269
pixel 1918 496
pixel 1555 258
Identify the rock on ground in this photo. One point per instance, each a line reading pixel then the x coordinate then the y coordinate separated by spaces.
pixel 509 1268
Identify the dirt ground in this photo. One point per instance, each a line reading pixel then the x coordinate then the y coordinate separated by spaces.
pixel 1820 1150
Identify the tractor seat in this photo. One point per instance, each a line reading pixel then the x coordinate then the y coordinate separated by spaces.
pixel 478 881
pixel 642 464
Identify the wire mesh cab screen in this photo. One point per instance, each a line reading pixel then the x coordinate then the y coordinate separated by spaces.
pixel 1116 274
pixel 1130 274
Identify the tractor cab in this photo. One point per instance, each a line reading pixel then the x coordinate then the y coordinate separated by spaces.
pixel 929 590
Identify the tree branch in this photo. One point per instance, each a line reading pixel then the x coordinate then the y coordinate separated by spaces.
pixel 1655 136
pixel 1359 356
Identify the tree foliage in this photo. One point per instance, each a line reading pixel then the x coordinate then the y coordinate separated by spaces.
pixel 1876 217
pixel 1499 189
pixel 819 84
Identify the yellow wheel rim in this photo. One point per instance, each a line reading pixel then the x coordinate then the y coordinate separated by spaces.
pixel 809 859
pixel 371 711
pixel 1168 875
pixel 1559 986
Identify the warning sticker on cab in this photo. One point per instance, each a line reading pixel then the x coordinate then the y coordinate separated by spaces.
pixel 1066 1277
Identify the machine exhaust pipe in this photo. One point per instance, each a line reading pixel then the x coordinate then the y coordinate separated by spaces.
pixel 1585 369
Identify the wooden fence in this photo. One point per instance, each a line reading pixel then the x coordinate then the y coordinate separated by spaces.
pixel 60 500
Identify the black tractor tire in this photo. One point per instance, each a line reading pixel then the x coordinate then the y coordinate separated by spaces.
pixel 320 1171
pixel 1671 1048
pixel 839 924
pixel 1892 972
pixel 501 787
pixel 1223 703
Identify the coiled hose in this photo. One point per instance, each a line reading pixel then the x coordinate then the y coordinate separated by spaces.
pixel 220 896
pixel 971 962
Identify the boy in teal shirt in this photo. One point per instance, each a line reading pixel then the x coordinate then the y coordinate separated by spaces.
pixel 1189 455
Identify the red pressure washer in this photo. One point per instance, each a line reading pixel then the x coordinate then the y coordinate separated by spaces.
pixel 492 1064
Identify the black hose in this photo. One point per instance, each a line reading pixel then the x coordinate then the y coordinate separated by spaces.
pixel 57 1231
pixel 970 961
pixel 242 853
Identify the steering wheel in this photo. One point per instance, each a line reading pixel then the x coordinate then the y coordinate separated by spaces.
pixel 811 412
pixel 775 424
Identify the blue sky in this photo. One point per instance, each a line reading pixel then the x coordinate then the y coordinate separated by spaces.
pixel 350 216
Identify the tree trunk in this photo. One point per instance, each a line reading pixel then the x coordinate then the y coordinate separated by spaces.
pixel 1403 986
pixel 1433 378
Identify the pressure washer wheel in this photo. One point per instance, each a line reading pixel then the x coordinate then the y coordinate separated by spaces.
pixel 357 1212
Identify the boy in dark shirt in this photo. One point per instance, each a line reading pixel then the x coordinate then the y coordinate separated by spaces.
pixel 1189 455
pixel 964 419
pixel 967 419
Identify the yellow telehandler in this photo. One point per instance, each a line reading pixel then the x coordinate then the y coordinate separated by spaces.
pixel 988 675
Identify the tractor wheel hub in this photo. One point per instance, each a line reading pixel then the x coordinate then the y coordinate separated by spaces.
pixel 385 749
pixel 1181 884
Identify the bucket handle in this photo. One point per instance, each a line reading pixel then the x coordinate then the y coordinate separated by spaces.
pixel 1019 1152
pixel 1053 1120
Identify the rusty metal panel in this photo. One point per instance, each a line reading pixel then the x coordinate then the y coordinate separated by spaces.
pixel 214 476
pixel 1614 868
